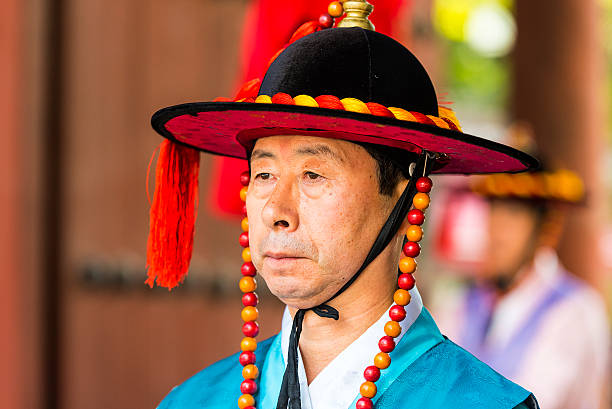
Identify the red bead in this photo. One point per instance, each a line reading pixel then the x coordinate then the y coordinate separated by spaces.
pixel 386 344
pixel 248 386
pixel 244 213
pixel 326 21
pixel 250 300
pixel 248 269
pixel 415 216
pixel 247 358
pixel 397 313
pixel 364 403
pixel 405 281
pixel 412 249
pixel 245 178
pixel 250 329
pixel 244 239
pixel 371 373
pixel 250 407
pixel 424 184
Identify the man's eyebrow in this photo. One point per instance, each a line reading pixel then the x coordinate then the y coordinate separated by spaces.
pixel 261 154
pixel 320 150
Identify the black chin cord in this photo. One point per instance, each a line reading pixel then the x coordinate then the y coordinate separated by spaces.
pixel 290 387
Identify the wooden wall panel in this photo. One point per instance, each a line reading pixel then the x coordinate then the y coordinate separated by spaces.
pixel 21 114
pixel 126 346
pixel 559 88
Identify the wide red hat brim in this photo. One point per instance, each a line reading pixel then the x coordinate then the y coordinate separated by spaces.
pixel 231 128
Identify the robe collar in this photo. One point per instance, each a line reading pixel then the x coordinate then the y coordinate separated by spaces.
pixel 337 386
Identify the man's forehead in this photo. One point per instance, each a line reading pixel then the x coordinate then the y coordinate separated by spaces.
pixel 289 146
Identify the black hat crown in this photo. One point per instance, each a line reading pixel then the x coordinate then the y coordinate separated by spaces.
pixel 352 62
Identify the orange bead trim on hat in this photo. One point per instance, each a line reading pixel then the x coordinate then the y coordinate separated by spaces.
pixel 446 120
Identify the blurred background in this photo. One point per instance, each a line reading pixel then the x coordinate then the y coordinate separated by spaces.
pixel 79 81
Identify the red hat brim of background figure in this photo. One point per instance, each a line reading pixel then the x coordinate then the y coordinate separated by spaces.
pixel 347 63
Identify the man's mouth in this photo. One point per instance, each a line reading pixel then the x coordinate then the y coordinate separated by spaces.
pixel 280 259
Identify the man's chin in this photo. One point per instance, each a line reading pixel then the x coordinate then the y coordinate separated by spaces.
pixel 298 298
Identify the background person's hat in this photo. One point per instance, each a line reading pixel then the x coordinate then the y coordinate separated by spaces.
pixel 547 184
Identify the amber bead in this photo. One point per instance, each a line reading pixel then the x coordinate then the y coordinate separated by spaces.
pixel 411 249
pixel 249 313
pixel 421 201
pixel 415 216
pixel 245 178
pixel 335 9
pixel 244 239
pixel 250 299
pixel 326 21
pixel 250 372
pixel 245 401
pixel 382 360
pixel 386 344
pixel 424 184
pixel 247 358
pixel 405 281
pixel 243 193
pixel 248 386
pixel 396 313
pixel 401 297
pixel 393 329
pixel 368 389
pixel 248 344
pixel 371 373
pixel 250 329
pixel 407 265
pixel 244 224
pixel 364 403
pixel 246 255
pixel 247 284
pixel 413 233
pixel 248 269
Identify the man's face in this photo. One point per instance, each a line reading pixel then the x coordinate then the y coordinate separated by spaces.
pixel 314 212
pixel 512 233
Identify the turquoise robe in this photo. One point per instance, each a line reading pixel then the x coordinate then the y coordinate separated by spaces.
pixel 427 371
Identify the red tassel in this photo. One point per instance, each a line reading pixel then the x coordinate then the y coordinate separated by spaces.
pixel 173 214
pixel 249 89
pixel 307 28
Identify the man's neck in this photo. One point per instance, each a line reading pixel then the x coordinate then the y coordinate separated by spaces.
pixel 360 306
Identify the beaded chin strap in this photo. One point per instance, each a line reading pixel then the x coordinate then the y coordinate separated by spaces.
pixel 415 195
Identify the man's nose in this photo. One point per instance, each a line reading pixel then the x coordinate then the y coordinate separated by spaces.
pixel 280 211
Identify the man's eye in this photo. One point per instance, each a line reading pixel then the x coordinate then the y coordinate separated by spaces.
pixel 312 175
pixel 262 176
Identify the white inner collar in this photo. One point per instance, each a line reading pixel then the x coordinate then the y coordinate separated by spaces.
pixel 337 385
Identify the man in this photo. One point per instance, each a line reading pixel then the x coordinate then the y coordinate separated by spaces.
pixel 523 313
pixel 332 181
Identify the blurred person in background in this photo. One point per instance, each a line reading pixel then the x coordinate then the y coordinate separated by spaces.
pixel 337 189
pixel 520 310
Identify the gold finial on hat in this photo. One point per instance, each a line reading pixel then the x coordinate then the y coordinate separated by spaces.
pixel 357 12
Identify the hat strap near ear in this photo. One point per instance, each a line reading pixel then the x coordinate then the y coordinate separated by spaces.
pixel 173 214
pixel 446 118
pixel 415 194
